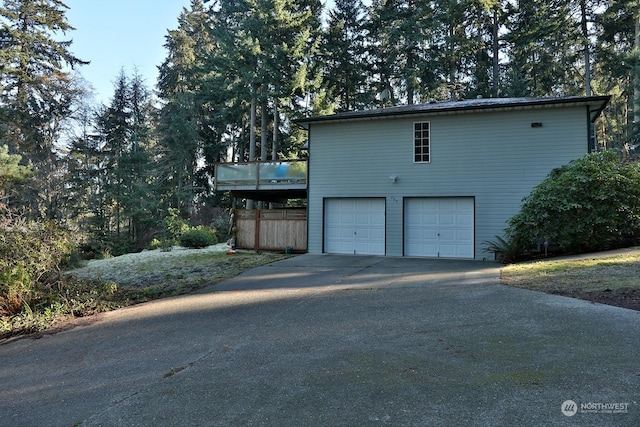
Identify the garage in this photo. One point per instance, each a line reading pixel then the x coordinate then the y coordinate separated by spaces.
pixel 354 226
pixel 439 227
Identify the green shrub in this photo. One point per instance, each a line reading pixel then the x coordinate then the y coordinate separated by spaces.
pixel 166 245
pixel 154 244
pixel 198 237
pixel 592 203
pixel 506 250
pixel 31 256
pixel 16 289
pixel 174 225
pixel 220 223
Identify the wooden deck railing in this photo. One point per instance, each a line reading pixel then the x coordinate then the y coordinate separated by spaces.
pixel 270 175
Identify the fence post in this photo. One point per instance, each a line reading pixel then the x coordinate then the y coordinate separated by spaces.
pixel 256 240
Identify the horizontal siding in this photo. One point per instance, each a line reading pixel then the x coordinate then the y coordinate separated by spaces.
pixel 496 157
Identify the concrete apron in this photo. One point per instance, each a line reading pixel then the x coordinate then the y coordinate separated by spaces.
pixel 332 340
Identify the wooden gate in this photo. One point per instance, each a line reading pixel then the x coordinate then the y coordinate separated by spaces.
pixel 272 229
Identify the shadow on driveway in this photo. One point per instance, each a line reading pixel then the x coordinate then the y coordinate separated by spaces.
pixel 330 340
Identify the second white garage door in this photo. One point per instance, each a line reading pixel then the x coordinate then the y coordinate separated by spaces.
pixel 439 227
pixel 354 226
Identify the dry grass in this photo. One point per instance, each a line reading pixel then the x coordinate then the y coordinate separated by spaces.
pixel 589 278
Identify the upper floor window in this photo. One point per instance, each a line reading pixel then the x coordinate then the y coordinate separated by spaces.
pixel 421 142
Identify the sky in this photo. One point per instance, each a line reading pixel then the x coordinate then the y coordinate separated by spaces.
pixel 120 34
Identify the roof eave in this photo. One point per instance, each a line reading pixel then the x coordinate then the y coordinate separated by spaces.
pixel 597 102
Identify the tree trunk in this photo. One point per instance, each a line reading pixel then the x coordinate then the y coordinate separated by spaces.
pixel 636 76
pixel 587 53
pixel 252 138
pixel 263 131
pixel 495 79
pixel 252 130
pixel 276 124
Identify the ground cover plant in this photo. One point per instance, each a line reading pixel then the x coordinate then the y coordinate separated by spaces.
pixel 612 280
pixel 112 283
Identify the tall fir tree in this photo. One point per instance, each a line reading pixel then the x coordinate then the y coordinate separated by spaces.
pixel 617 66
pixel 344 56
pixel 542 57
pixel 264 50
pixel 125 158
pixel 37 91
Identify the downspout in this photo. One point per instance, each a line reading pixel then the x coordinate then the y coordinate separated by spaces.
pixel 592 116
pixel 309 186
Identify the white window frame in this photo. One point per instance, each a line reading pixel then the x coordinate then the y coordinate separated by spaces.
pixel 428 123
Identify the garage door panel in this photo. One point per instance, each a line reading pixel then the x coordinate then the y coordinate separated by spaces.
pixel 447 251
pixel 345 219
pixel 377 233
pixel 446 204
pixel 355 226
pixel 464 235
pixel 465 222
pixel 446 219
pixel 439 227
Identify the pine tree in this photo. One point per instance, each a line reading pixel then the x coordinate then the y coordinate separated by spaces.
pixel 616 69
pixel 37 92
pixel 344 56
pixel 263 54
pixel 11 172
pixel 189 118
pixel 487 29
pixel 139 205
pixel 124 151
pixel 542 54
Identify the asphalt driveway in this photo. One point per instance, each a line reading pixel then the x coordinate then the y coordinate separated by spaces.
pixel 320 340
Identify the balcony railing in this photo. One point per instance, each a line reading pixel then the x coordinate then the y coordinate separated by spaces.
pixel 270 175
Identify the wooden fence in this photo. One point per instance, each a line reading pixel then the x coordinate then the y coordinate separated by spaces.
pixel 271 229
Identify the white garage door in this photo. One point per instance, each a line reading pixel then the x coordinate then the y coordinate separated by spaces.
pixel 439 227
pixel 354 226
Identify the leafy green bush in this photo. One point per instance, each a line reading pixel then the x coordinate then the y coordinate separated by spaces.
pixel 174 225
pixel 592 203
pixel 31 256
pixel 154 244
pixel 198 237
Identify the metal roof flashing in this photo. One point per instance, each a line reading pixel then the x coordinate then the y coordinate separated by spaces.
pixel 595 104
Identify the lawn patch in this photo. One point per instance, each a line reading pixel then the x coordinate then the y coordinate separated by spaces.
pixel 610 280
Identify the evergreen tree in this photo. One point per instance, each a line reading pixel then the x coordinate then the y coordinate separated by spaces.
pixel 123 162
pixel 189 120
pixel 488 17
pixel 617 65
pixel 344 56
pixel 263 55
pixel 11 172
pixel 37 94
pixel 139 205
pixel 542 54
pixel 88 203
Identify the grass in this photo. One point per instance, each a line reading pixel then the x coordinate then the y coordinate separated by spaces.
pixel 609 279
pixel 112 283
pixel 178 271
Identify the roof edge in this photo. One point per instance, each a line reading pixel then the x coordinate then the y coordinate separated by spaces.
pixel 444 107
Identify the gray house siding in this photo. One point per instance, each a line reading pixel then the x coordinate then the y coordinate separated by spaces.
pixel 495 157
